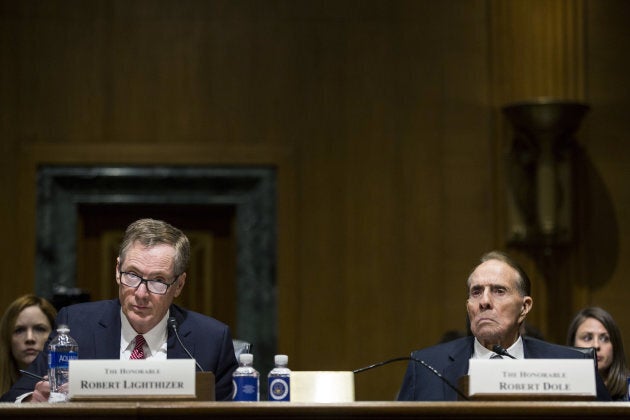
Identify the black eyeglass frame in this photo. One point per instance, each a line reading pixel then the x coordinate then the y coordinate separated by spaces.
pixel 146 282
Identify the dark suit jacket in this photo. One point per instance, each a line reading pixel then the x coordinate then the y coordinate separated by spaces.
pixel 96 328
pixel 451 360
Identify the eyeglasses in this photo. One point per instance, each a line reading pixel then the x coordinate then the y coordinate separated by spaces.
pixel 154 286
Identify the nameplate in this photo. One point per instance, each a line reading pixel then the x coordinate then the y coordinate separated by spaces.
pixel 131 378
pixel 553 377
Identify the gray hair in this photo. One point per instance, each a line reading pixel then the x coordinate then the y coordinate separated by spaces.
pixel 150 232
pixel 524 285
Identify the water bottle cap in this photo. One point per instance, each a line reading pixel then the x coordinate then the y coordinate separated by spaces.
pixel 281 359
pixel 246 358
pixel 63 329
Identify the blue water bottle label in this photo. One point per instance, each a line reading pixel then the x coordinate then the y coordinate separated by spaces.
pixel 279 389
pixel 245 388
pixel 61 359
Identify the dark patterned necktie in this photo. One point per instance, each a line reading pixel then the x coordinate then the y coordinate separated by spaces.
pixel 496 356
pixel 138 350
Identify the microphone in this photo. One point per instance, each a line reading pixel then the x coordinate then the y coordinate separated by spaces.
pixel 172 323
pixel 421 362
pixel 500 350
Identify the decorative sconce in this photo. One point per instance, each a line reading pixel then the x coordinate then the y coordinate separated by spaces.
pixel 538 168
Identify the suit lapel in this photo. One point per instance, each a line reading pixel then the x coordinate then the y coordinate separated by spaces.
pixel 107 339
pixel 530 349
pixel 174 350
pixel 459 357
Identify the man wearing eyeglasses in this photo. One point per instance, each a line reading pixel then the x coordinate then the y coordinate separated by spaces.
pixel 150 273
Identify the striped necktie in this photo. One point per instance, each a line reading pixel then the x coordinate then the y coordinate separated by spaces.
pixel 138 350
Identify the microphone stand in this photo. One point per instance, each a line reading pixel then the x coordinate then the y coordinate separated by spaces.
pixel 421 362
pixel 172 322
pixel 500 350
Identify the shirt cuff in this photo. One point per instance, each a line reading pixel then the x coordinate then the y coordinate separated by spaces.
pixel 19 399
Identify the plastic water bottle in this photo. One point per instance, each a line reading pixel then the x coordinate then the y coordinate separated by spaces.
pixel 61 350
pixel 280 379
pixel 246 379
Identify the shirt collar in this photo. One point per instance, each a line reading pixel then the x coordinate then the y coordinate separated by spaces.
pixel 155 338
pixel 516 350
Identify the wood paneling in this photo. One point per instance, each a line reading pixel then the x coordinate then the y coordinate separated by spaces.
pixel 381 118
pixel 605 221
pixel 538 50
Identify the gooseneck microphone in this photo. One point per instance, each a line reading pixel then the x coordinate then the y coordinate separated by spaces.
pixel 421 362
pixel 172 323
pixel 500 350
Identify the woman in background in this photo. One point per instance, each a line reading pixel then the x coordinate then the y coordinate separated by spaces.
pixel 24 329
pixel 594 327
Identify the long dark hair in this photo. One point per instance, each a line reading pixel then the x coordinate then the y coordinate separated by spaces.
pixel 616 379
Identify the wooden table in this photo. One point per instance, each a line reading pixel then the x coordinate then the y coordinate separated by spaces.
pixel 358 410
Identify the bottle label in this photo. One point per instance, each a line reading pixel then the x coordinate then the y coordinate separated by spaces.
pixel 61 359
pixel 245 388
pixel 279 389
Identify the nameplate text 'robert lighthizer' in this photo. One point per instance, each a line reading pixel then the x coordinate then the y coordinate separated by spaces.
pixel 111 377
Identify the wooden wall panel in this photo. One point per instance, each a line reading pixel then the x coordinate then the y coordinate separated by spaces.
pixel 605 221
pixel 537 51
pixel 374 179
pixel 380 116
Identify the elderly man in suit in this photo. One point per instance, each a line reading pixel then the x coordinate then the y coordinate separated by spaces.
pixel 150 273
pixel 498 302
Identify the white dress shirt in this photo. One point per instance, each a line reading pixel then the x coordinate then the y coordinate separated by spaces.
pixel 155 347
pixel 515 350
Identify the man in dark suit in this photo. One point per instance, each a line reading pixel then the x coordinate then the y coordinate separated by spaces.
pixel 498 301
pixel 150 272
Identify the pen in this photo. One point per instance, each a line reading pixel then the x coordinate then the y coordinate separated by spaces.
pixel 32 375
